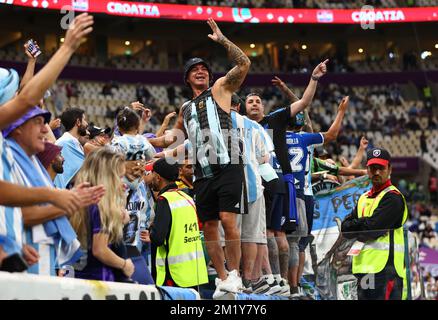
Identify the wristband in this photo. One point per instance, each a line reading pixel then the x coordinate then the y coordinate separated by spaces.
pixel 315 78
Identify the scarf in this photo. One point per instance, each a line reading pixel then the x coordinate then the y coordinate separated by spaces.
pixel 59 229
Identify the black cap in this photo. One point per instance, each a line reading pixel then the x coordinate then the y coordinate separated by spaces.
pixel 378 156
pixel 168 171
pixel 95 131
pixel 193 62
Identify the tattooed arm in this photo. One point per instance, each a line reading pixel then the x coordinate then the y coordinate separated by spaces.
pixel 234 78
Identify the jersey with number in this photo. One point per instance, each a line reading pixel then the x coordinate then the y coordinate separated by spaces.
pixel 137 207
pixel 298 152
pixel 134 147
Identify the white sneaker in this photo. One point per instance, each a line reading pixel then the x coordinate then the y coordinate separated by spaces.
pixel 232 284
pixel 284 284
pixel 274 286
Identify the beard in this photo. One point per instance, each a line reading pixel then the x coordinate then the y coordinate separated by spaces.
pixel 82 130
pixel 58 168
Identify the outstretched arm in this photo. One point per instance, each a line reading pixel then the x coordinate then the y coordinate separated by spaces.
pixel 333 131
pixel 360 153
pixel 284 89
pixel 34 90
pixel 234 78
pixel 308 122
pixel 306 99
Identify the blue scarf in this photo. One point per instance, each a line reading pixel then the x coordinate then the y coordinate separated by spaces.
pixel 59 229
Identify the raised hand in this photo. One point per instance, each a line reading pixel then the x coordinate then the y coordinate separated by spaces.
pixel 28 54
pixel 344 104
pixel 168 117
pixel 363 143
pixel 320 70
pixel 217 35
pixel 147 113
pixel 78 29
pixel 55 123
pixel 278 83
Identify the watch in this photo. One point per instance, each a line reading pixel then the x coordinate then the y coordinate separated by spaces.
pixel 314 78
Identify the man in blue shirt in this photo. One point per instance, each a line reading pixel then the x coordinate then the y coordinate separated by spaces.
pixel 299 151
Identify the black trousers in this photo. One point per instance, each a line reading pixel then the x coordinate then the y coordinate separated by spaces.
pixel 385 285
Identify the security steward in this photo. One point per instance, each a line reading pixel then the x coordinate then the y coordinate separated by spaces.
pixel 377 224
pixel 179 258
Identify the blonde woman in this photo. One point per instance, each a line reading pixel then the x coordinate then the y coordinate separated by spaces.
pixel 100 227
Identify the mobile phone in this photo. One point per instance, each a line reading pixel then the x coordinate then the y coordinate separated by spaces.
pixel 33 49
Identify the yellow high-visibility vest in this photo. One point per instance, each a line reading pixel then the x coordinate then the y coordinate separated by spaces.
pixel 374 254
pixel 183 250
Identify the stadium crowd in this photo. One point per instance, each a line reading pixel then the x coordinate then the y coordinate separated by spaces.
pixel 166 197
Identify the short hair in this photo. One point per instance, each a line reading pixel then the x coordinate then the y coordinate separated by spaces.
pixel 254 93
pixel 128 119
pixel 69 117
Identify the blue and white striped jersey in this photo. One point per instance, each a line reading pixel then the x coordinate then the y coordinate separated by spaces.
pixel 209 129
pixel 254 149
pixel 134 147
pixel 11 219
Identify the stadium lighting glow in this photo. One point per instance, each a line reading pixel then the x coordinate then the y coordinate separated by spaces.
pixel 391 55
pixel 61 40
pixel 149 42
pixel 360 50
pixel 436 45
pixel 127 43
pixel 252 45
pixel 304 47
pixel 425 54
pixel 286 47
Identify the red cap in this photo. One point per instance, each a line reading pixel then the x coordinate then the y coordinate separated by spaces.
pixel 378 156
pixel 382 162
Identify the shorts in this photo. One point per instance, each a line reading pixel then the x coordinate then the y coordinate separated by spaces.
pixel 270 189
pixel 221 193
pixel 253 224
pixel 310 209
pixel 301 230
pixel 281 209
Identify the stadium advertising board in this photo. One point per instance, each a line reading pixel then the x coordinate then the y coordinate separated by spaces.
pixel 365 15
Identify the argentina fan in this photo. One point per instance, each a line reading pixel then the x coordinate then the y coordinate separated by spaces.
pixel 255 150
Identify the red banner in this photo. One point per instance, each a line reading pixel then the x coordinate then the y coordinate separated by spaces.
pixel 365 16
